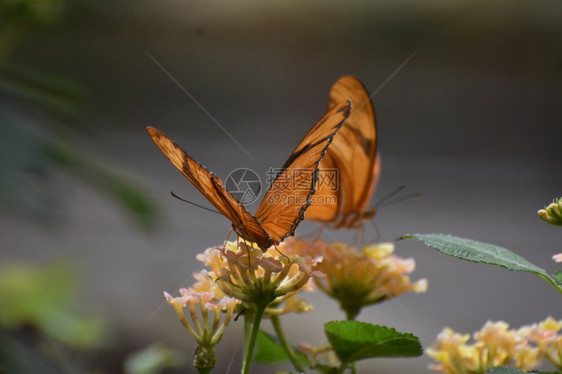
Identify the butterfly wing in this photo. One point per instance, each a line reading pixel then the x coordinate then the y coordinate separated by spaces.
pixel 212 188
pixel 289 196
pixel 328 194
pixel 354 154
pixel 245 225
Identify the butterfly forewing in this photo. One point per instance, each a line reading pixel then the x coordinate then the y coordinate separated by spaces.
pixel 288 197
pixel 245 225
pixel 353 154
pixel 205 181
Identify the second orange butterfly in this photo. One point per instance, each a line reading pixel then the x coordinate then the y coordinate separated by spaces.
pixel 353 154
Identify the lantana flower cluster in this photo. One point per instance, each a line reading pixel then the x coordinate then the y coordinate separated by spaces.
pixel 358 278
pixel 243 271
pixel 241 277
pixel 497 345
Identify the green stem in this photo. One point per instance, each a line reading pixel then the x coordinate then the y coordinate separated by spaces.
pixel 250 342
pixel 248 318
pixel 276 321
pixel 342 368
pixel 351 311
pixel 351 317
pixel 351 314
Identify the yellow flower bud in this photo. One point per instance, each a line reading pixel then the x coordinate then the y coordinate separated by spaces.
pixel 553 213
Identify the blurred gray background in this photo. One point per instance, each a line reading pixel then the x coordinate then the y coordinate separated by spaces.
pixel 472 122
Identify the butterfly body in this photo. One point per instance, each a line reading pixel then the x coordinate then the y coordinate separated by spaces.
pixel 353 220
pixel 275 219
pixel 354 155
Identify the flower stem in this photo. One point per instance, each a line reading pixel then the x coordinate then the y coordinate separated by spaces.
pixel 351 317
pixel 342 368
pixel 250 341
pixel 276 321
pixel 248 318
pixel 351 311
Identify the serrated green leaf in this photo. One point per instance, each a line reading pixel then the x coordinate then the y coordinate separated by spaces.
pixel 475 251
pixel 558 277
pixel 472 250
pixel 270 351
pixel 353 341
pixel 508 370
pixel 504 370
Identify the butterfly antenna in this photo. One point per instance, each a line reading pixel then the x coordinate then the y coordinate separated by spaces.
pixel 389 195
pixel 360 106
pixel 400 199
pixel 192 203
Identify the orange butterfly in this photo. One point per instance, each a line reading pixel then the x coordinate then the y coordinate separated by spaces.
pixel 354 154
pixel 275 218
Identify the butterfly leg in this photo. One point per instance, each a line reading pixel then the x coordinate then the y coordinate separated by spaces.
pixel 314 234
pixel 360 233
pixel 378 236
pixel 248 254
pixel 282 254
pixel 226 240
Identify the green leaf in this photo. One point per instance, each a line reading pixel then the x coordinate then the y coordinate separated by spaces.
pixel 507 370
pixel 270 351
pixel 484 253
pixel 504 370
pixel 24 174
pixel 26 301
pixel 353 341
pixel 558 277
pixel 122 189
pixel 59 96
pixel 153 360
